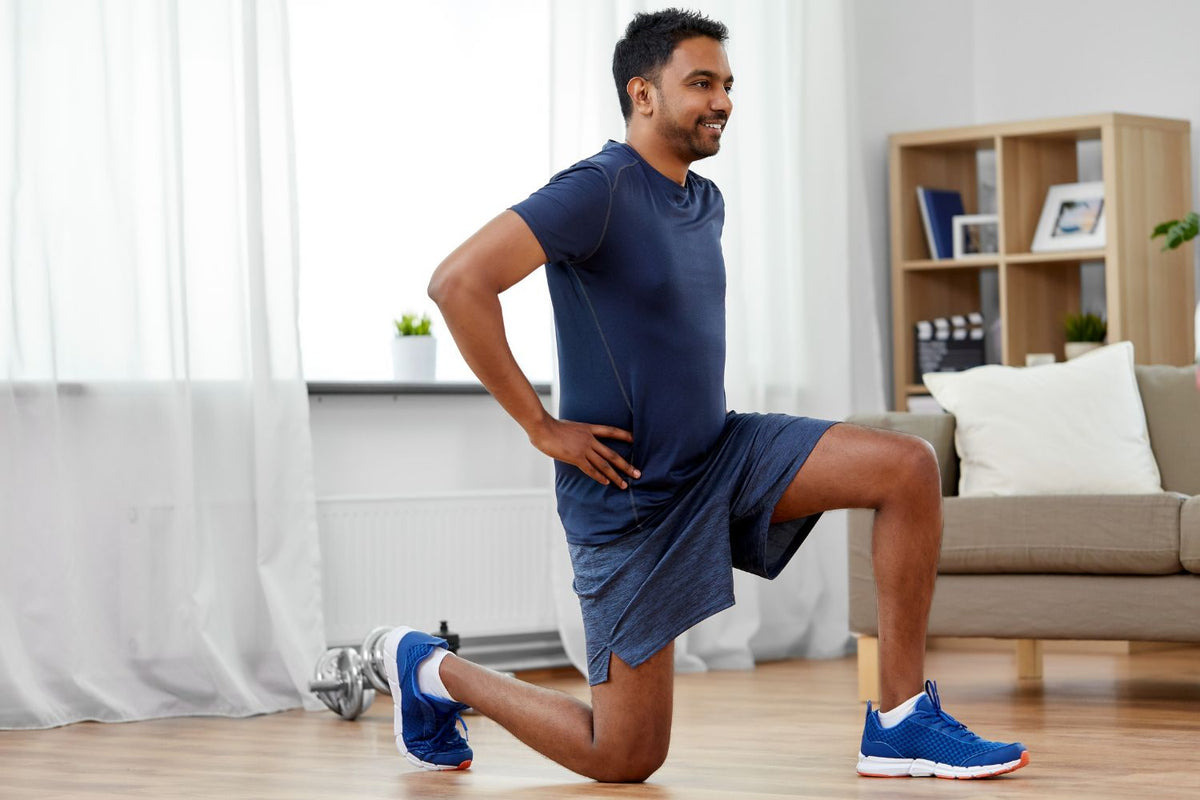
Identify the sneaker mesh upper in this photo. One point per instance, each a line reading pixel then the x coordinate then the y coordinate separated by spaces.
pixel 930 733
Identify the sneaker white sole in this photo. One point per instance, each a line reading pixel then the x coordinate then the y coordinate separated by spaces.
pixel 878 767
pixel 390 643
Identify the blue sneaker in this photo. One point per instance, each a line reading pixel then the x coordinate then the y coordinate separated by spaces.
pixel 931 742
pixel 425 727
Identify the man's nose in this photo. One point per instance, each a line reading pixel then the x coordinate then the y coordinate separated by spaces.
pixel 722 101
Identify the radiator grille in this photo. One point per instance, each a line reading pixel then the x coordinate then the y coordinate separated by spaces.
pixel 478 560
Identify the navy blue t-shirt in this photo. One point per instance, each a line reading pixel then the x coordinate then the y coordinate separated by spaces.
pixel 637 281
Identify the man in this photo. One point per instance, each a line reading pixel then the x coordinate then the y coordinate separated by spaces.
pixel 660 489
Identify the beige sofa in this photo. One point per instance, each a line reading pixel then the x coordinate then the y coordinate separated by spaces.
pixel 1092 567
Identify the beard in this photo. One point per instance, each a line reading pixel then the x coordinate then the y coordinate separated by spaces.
pixel 692 141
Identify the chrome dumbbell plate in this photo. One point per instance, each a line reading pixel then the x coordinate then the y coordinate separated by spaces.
pixel 374 656
pixel 339 681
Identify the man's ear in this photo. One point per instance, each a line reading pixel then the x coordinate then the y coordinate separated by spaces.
pixel 640 93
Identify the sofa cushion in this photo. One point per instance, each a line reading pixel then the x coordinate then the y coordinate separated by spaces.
pixel 1189 534
pixel 1172 405
pixel 1071 428
pixel 1089 534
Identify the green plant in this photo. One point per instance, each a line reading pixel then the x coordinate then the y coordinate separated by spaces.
pixel 1085 328
pixel 411 325
pixel 1178 231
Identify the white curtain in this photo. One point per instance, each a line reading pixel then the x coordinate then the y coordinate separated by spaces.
pixel 803 337
pixel 157 518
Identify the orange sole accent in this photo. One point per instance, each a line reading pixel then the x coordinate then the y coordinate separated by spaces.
pixel 467 764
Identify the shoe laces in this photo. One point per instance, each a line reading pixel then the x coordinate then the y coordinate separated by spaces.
pixel 447 731
pixel 942 721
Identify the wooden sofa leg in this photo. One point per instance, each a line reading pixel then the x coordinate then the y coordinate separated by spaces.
pixel 868 669
pixel 1029 659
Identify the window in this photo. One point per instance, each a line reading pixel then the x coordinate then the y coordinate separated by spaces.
pixel 415 124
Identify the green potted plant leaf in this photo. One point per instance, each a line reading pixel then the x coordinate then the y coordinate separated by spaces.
pixel 414 350
pixel 1176 233
pixel 1085 332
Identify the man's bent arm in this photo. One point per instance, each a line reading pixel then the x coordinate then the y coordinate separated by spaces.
pixel 466 287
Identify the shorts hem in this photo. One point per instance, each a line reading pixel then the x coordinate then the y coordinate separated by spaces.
pixel 637 660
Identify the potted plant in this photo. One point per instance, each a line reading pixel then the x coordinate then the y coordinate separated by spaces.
pixel 1085 332
pixel 414 350
pixel 1178 231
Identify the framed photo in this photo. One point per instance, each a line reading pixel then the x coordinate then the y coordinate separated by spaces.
pixel 1072 218
pixel 975 234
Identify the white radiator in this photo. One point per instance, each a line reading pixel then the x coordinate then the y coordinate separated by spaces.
pixel 479 560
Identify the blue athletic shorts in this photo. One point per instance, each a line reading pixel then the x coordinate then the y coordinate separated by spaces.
pixel 640 591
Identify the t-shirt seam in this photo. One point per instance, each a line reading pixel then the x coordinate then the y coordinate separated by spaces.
pixel 612 362
pixel 612 190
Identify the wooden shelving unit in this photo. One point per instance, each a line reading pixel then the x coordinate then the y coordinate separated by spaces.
pixel 1149 295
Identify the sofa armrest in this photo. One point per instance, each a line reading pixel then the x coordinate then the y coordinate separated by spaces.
pixel 937 429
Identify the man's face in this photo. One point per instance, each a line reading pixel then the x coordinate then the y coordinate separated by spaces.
pixel 694 105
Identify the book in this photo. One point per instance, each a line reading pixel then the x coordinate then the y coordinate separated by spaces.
pixel 938 209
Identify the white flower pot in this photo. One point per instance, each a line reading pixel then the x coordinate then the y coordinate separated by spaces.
pixel 414 358
pixel 1076 349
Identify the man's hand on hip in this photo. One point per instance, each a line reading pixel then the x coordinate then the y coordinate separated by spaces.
pixel 578 443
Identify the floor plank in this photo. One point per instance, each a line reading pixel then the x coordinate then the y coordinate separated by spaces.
pixel 1098 726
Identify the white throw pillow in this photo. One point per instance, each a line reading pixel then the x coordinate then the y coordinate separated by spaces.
pixel 1072 428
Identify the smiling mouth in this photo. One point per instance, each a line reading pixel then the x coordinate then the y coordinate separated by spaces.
pixel 716 126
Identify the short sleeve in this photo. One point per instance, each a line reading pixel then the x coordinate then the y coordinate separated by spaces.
pixel 569 214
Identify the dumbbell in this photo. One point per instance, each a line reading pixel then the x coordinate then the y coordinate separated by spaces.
pixel 347 678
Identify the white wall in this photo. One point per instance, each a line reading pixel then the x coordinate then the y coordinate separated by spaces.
pixel 1046 58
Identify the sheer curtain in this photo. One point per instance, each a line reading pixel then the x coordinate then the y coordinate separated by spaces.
pixel 802 328
pixel 157 517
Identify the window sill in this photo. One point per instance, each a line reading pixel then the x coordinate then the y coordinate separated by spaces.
pixel 396 388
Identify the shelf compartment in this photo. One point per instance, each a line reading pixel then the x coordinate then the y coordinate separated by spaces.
pixel 953 166
pixel 1028 167
pixel 936 293
pixel 1035 299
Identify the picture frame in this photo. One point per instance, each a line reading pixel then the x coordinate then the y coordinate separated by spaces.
pixel 975 235
pixel 1072 218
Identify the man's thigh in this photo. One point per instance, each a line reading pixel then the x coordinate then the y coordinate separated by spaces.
pixel 631 711
pixel 852 467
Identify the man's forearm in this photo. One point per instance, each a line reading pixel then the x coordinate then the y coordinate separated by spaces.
pixel 476 322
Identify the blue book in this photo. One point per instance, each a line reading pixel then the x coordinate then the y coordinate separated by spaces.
pixel 938 209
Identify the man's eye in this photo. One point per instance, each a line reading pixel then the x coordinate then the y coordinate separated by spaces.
pixel 729 89
pixel 701 84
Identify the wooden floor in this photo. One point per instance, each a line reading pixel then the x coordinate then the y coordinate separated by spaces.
pixel 1099 726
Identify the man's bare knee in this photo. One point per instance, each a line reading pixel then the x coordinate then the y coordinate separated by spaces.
pixel 916 465
pixel 633 764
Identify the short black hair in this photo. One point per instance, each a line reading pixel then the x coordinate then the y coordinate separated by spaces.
pixel 649 41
